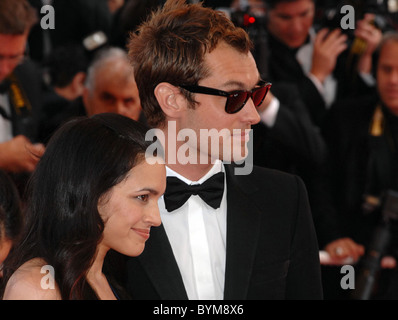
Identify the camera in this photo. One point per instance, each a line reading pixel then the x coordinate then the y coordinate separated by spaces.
pixel 379 245
pixel 329 15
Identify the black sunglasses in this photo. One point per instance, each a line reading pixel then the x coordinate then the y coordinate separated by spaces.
pixel 236 100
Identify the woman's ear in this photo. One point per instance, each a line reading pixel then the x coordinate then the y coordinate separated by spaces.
pixel 170 99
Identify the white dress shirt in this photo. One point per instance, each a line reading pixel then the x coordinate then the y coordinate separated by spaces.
pixel 197 234
pixel 268 116
pixel 5 124
pixel 328 88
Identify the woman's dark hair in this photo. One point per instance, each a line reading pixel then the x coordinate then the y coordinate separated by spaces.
pixel 83 160
pixel 11 211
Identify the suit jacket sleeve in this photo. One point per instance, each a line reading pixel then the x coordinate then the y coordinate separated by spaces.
pixel 303 280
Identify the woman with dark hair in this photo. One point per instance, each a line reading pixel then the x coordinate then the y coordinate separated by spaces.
pixel 10 216
pixel 92 191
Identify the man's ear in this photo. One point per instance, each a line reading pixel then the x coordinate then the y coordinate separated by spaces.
pixel 86 101
pixel 170 99
pixel 78 82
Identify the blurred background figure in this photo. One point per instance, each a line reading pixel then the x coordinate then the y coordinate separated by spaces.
pixel 84 23
pixel 109 86
pixel 66 69
pixel 20 92
pixel 362 135
pixel 302 42
pixel 81 21
pixel 115 5
pixel 127 19
pixel 311 56
pixel 65 73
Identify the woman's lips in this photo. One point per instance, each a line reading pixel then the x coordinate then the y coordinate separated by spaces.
pixel 142 232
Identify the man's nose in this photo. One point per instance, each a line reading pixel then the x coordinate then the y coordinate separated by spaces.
pixel 250 113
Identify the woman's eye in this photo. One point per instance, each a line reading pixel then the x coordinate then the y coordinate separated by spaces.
pixel 143 197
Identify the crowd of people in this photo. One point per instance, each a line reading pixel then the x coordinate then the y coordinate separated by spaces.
pixel 76 102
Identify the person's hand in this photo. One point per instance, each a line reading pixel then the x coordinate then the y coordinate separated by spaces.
pixel 115 5
pixel 327 47
pixel 368 32
pixel 388 262
pixel 344 248
pixel 371 37
pixel 20 155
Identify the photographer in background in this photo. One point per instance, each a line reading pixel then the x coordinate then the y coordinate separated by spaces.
pixel 281 30
pixel 362 135
pixel 20 92
pixel 314 61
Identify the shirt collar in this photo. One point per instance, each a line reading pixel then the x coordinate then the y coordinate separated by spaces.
pixel 217 167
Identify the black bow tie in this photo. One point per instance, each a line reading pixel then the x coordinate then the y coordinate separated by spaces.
pixel 178 192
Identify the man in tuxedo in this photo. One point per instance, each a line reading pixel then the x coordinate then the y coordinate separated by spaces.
pixel 226 233
pixel 20 92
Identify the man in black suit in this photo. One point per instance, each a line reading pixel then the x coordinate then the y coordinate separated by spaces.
pixel 362 135
pixel 228 231
pixel 20 92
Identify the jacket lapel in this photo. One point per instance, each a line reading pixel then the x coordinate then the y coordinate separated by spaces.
pixel 243 219
pixel 161 267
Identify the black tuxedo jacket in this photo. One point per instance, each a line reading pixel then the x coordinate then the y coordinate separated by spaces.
pixel 271 252
pixel 295 145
